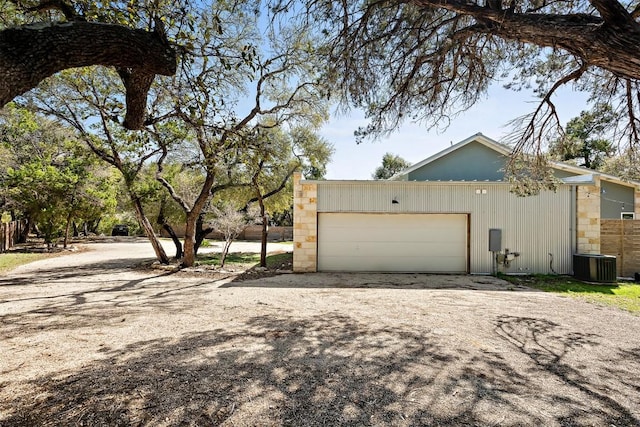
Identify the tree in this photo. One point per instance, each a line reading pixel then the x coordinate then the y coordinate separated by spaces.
pixel 230 221
pixel 427 60
pixel 85 100
pixel 585 138
pixel 48 176
pixel 80 35
pixel 626 165
pixel 391 165
pixel 274 157
pixel 208 99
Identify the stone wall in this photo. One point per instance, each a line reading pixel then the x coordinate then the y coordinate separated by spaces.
pixel 588 222
pixel 305 225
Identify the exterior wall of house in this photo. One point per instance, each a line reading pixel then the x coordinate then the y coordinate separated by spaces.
pixel 472 162
pixel 305 225
pixel 533 226
pixel 588 218
pixel 615 199
pixel 637 203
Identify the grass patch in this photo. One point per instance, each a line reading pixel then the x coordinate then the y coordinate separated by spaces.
pixel 246 259
pixel 622 295
pixel 11 260
pixel 235 258
pixel 280 261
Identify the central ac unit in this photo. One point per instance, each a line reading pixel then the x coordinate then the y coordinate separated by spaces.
pixel 594 268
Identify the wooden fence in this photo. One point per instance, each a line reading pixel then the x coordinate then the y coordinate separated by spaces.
pixel 10 234
pixel 621 238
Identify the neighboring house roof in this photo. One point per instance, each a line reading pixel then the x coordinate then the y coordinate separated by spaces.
pixel 586 175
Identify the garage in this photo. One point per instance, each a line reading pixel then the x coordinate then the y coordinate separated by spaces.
pixel 393 242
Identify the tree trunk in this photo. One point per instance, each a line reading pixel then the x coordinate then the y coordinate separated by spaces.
pixel 148 229
pixel 67 228
pixel 225 251
pixel 189 256
pixel 92 226
pixel 24 234
pixel 201 232
pixel 174 237
pixel 265 232
pixel 162 221
pixel 192 216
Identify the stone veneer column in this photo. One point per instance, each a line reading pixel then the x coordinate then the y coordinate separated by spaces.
pixel 636 204
pixel 588 223
pixel 305 225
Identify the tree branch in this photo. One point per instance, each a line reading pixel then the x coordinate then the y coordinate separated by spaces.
pixel 603 41
pixel 172 192
pixel 59 5
pixel 276 190
pixel 32 53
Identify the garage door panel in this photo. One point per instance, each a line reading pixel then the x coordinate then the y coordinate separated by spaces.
pixel 392 242
pixel 393 249
pixel 417 264
pixel 366 235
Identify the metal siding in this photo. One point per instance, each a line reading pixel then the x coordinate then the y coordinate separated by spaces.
pixel 533 226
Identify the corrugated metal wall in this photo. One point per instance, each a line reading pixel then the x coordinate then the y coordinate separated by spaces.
pixel 534 226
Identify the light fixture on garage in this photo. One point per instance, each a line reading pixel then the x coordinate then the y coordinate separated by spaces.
pixel 395 201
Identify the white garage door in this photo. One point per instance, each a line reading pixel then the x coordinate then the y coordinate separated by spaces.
pixel 392 242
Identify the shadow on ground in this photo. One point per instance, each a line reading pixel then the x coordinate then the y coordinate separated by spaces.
pixel 83 298
pixel 75 272
pixel 378 281
pixel 335 370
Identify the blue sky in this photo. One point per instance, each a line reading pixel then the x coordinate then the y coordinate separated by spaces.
pixel 414 143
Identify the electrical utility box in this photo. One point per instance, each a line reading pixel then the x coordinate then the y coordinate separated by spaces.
pixel 495 240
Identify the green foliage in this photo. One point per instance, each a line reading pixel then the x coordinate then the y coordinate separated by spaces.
pixel 585 138
pixel 272 158
pixel 48 175
pixel 40 190
pixel 528 175
pixel 391 165
pixel 626 165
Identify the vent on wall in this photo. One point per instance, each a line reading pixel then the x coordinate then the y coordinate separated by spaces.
pixel 594 268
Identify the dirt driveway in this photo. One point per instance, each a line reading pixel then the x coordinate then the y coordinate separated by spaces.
pixel 86 339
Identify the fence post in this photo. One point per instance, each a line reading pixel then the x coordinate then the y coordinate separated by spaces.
pixel 10 234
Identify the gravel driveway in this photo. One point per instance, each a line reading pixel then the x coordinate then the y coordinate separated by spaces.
pixel 87 339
